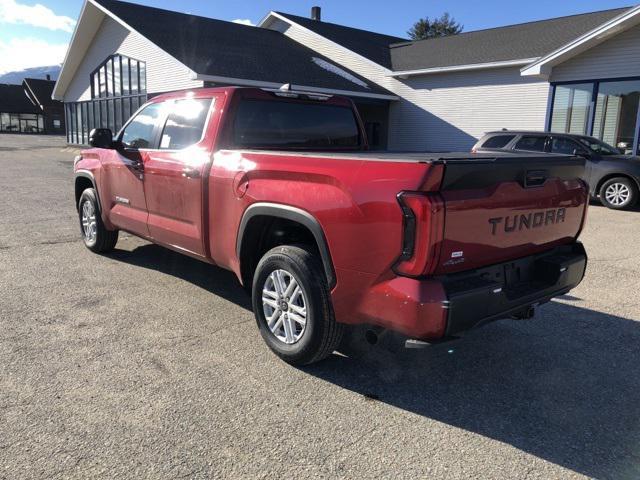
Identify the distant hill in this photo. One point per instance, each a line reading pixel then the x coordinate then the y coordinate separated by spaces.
pixel 35 72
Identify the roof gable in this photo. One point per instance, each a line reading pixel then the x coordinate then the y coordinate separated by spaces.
pixel 41 90
pixel 216 48
pixel 512 45
pixel 371 45
pixel 625 20
pixel 514 42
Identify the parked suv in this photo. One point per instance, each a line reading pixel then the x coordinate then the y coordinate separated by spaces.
pixel 279 187
pixel 613 177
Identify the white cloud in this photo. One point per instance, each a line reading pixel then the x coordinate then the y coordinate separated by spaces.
pixel 21 53
pixel 36 15
pixel 241 21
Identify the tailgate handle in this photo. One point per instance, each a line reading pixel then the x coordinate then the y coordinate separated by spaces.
pixel 535 178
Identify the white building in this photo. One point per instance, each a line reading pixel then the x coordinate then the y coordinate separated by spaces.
pixel 578 74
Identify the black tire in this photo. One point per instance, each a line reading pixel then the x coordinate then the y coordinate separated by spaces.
pixel 321 334
pixel 104 240
pixel 624 185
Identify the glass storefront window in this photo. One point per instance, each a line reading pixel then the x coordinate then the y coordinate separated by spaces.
pixel 21 123
pixel 103 82
pixel 116 76
pixel 616 113
pixel 82 117
pixel 143 76
pixel 109 67
pixel 4 121
pixel 125 76
pixel 608 110
pixel 571 105
pixel 133 67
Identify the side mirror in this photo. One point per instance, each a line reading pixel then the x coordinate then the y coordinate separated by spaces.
pixel 101 138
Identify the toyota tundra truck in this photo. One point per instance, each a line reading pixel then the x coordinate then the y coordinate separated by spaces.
pixel 280 188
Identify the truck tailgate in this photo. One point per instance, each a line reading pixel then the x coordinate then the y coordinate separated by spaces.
pixel 505 208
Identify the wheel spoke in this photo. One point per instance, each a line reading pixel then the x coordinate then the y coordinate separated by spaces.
pixel 274 328
pixel 278 282
pixel 297 318
pixel 289 329
pixel 269 293
pixel 295 295
pixel 299 310
pixel 293 285
pixel 268 301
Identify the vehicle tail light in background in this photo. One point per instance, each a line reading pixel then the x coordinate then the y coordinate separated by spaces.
pixel 423 229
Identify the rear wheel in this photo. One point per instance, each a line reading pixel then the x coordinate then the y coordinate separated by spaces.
pixel 292 306
pixel 95 235
pixel 619 193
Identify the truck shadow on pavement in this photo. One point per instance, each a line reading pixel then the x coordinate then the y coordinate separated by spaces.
pixel 564 387
pixel 215 280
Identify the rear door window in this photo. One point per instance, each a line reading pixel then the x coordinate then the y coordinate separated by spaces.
pixel 185 123
pixel 264 124
pixel 531 143
pixel 498 141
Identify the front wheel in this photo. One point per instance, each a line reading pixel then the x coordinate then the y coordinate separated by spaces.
pixel 292 305
pixel 95 235
pixel 619 193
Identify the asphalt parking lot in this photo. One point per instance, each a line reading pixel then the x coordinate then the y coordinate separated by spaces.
pixel 147 364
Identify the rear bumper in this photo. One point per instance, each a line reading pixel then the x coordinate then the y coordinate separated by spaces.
pixel 502 290
pixel 452 304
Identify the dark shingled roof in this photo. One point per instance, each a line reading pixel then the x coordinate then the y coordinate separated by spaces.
pixel 227 49
pixel 42 90
pixel 371 45
pixel 514 42
pixel 13 99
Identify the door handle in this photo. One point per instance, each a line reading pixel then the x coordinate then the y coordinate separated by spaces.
pixel 189 172
pixel 535 178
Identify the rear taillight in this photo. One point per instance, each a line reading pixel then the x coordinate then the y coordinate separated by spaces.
pixel 423 228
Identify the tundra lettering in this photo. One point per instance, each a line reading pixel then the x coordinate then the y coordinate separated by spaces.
pixel 280 188
pixel 527 221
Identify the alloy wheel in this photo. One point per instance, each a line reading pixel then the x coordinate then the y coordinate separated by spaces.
pixel 89 226
pixel 285 306
pixel 617 194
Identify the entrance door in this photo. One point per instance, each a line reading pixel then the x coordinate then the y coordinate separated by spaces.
pixel 174 175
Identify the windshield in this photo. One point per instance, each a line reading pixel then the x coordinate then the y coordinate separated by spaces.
pixel 598 146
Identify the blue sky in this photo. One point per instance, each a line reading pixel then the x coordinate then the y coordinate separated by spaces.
pixel 36 33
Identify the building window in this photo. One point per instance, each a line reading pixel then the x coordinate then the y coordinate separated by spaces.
pixel 119 76
pixel 21 123
pixel 571 104
pixel 606 109
pixel 118 88
pixel 616 113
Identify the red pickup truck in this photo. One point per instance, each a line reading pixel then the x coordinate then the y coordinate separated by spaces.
pixel 279 187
